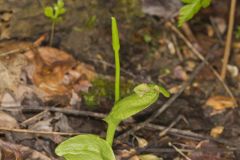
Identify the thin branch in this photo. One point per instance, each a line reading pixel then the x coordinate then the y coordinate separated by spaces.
pixel 229 38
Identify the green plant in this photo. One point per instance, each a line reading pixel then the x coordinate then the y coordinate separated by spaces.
pixel 191 8
pixel 116 48
pixel 237 34
pixel 54 13
pixel 92 147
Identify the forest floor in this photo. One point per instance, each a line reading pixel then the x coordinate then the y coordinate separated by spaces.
pixel 50 93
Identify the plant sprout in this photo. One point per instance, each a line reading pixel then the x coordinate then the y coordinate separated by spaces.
pixel 191 8
pixel 54 13
pixel 116 48
pixel 92 147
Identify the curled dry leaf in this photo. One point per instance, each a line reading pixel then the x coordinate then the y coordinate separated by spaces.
pixel 7 121
pixel 220 103
pixel 180 73
pixel 57 72
pixel 142 142
pixel 216 131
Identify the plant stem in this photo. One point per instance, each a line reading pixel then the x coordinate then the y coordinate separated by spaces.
pixel 117 76
pixel 111 132
pixel 52 33
pixel 116 48
pixel 228 44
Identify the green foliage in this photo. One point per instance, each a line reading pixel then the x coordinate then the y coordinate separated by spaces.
pixel 191 8
pixel 144 95
pixel 237 34
pixel 116 48
pixel 92 147
pixel 85 147
pixel 55 12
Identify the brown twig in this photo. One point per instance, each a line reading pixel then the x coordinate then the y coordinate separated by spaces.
pixel 191 135
pixel 228 43
pixel 37 132
pixel 30 109
pixel 165 105
pixel 199 55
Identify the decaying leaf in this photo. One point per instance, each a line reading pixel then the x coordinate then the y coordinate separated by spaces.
pixel 142 142
pixel 57 72
pixel 220 103
pixel 7 121
pixel 216 131
pixel 10 151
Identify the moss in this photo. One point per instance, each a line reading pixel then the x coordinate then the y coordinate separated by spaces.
pixel 103 90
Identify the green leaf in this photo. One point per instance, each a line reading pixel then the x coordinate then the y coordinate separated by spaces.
pixel 190 8
pixel 115 37
pixel 144 96
pixel 164 91
pixel 60 3
pixel 187 1
pixel 206 3
pixel 188 11
pixel 85 147
pixel 48 12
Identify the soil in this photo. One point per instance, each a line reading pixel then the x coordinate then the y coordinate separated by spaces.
pixel 201 119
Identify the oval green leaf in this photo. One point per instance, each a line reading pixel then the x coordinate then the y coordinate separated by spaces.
pixel 144 96
pixel 82 147
pixel 48 12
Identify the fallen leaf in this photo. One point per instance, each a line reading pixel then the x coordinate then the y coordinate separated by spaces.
pixel 142 142
pixel 216 131
pixel 7 121
pixel 180 73
pixel 56 72
pixel 220 103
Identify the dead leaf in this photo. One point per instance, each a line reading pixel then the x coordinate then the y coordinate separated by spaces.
pixel 7 121
pixel 56 72
pixel 216 131
pixel 180 73
pixel 220 103
pixel 142 142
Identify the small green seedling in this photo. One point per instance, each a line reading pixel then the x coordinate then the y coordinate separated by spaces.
pixel 191 8
pixel 54 13
pixel 92 147
pixel 116 48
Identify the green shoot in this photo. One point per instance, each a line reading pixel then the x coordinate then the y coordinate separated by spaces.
pixel 116 48
pixel 190 9
pixel 144 95
pixel 92 147
pixel 54 13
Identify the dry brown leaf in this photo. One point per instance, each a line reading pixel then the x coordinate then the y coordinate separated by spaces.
pixel 216 131
pixel 142 142
pixel 220 103
pixel 57 72
pixel 7 121
pixel 180 73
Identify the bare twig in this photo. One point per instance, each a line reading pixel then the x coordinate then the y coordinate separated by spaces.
pixel 199 55
pixel 166 105
pixel 37 132
pixel 179 151
pixel 30 109
pixel 229 38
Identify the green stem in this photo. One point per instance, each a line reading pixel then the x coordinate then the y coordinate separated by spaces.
pixel 117 76
pixel 52 33
pixel 111 132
